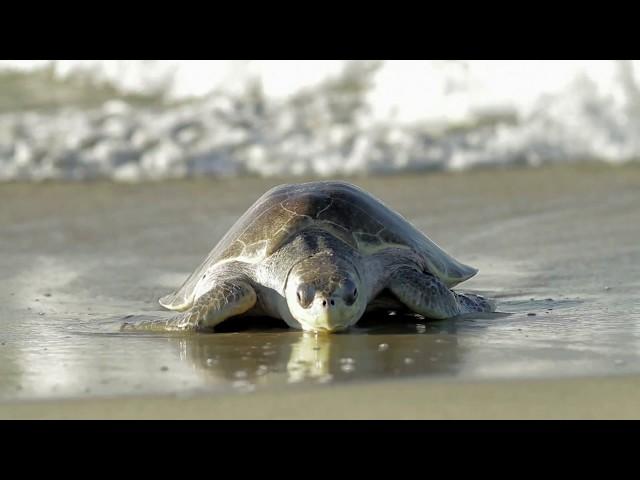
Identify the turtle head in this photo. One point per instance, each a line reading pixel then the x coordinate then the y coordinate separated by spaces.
pixel 324 293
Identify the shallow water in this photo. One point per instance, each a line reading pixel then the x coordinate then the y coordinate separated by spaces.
pixel 558 249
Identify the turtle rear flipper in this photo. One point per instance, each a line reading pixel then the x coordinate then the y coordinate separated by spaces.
pixel 174 302
pixel 472 303
pixel 199 282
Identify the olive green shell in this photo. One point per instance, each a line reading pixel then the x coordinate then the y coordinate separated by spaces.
pixel 347 211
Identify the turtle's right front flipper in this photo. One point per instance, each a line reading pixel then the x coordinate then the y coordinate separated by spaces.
pixel 226 299
pixel 425 294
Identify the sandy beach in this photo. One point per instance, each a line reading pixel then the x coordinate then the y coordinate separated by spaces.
pixel 568 399
pixel 557 247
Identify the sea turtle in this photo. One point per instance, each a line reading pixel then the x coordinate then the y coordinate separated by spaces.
pixel 316 255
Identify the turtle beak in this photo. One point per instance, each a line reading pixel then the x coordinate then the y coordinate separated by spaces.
pixel 330 314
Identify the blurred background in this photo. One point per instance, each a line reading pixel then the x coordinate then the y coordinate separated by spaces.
pixel 138 120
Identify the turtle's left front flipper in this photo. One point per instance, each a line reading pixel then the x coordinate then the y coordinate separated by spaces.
pixel 425 294
pixel 226 299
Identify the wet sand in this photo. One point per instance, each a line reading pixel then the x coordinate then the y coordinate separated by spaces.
pixel 557 247
pixel 571 399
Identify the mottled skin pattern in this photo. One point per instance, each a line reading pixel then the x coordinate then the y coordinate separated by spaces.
pixel 425 294
pixel 228 299
pixel 317 255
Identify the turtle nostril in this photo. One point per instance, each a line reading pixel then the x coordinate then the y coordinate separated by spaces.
pixel 333 302
pixel 324 303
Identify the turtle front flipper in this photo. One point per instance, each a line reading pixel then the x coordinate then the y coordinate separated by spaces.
pixel 226 299
pixel 425 294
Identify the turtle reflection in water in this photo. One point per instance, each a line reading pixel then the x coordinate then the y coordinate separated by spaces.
pixel 317 255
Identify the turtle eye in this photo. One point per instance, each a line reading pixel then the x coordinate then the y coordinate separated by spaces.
pixel 351 296
pixel 305 295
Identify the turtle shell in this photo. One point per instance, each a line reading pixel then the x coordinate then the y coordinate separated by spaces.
pixel 347 211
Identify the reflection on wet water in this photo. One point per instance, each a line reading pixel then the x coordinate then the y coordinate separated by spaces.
pixel 90 356
pixel 288 356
